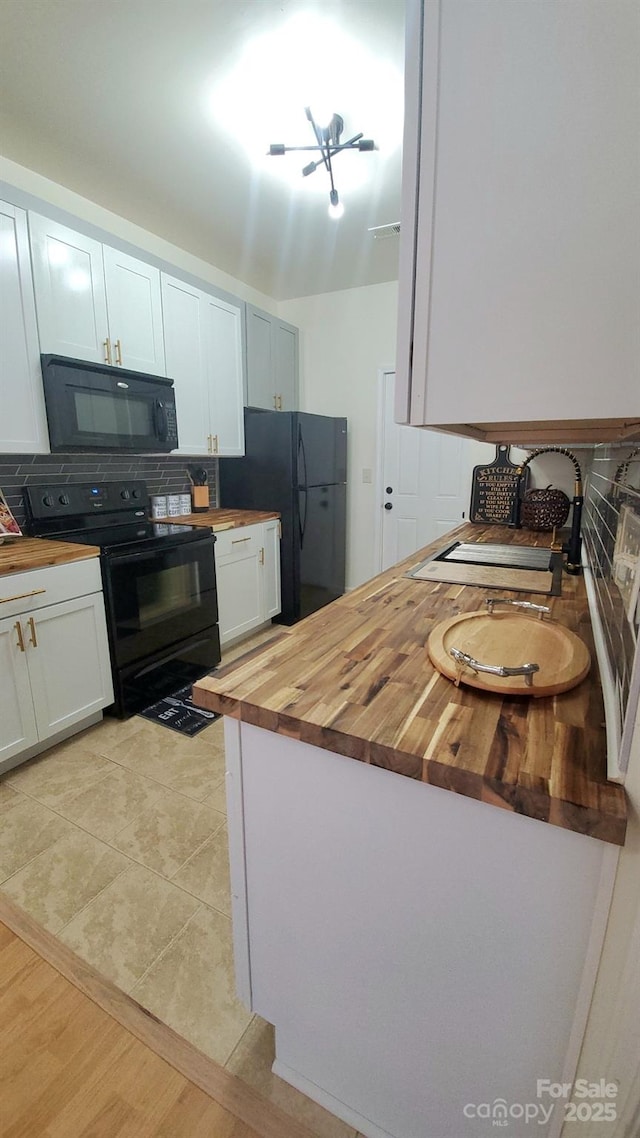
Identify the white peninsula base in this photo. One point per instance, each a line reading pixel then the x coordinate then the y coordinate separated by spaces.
pixel 420 953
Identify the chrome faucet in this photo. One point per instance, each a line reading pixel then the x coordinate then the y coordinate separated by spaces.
pixel 573 546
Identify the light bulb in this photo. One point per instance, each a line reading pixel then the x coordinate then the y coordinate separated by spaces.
pixel 336 208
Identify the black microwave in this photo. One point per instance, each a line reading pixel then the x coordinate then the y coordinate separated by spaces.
pixel 95 407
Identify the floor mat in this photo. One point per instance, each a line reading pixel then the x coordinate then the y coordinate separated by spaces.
pixel 177 712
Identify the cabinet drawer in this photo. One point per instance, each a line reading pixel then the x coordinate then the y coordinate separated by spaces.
pixel 36 588
pixel 243 541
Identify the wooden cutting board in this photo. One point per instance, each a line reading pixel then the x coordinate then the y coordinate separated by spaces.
pixel 510 639
pixel 486 576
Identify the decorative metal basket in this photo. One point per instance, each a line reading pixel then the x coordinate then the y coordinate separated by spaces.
pixel 545 509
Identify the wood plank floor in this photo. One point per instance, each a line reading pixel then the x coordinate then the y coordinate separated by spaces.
pixel 69 1069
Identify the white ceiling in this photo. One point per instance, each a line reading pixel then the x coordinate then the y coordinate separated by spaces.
pixel 109 98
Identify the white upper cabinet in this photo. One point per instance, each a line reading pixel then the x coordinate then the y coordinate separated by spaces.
pixel 223 324
pixel 70 290
pixel 519 285
pixel 23 428
pixel 184 341
pixel 203 343
pixel 135 312
pixel 93 302
pixel 272 362
pixel 71 300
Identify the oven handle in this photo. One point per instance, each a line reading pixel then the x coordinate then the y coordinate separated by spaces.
pixel 151 554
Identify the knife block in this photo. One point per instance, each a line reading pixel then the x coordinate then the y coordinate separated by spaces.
pixel 200 499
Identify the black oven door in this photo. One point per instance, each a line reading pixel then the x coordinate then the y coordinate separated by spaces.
pixel 158 597
pixel 94 407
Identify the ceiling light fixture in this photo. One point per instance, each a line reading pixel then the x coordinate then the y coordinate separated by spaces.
pixel 329 144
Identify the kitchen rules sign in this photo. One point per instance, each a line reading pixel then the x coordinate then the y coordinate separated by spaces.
pixel 494 488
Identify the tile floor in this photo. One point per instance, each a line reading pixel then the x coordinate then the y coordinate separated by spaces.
pixel 115 841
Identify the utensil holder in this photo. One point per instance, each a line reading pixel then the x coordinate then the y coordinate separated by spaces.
pixel 200 499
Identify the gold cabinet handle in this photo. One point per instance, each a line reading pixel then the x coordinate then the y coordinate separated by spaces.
pixel 118 352
pixel 262 556
pixel 21 596
pixel 275 402
pixel 18 628
pixel 239 540
pixel 279 403
pixel 32 632
pixel 209 443
pixel 215 444
pixel 107 351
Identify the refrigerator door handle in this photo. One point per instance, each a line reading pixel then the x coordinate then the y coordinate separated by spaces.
pixel 302 483
pixel 302 517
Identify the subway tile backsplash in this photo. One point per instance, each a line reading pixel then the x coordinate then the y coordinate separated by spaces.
pixel 611 533
pixel 163 474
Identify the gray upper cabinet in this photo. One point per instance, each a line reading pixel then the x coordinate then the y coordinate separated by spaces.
pixel 272 362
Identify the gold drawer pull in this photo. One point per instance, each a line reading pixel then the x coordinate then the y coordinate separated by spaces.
pixel 32 632
pixel 275 402
pixel 118 352
pixel 18 629
pixel 238 540
pixel 107 351
pixel 21 596
pixel 215 444
pixel 262 556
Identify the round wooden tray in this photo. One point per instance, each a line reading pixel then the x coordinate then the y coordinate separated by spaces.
pixel 509 640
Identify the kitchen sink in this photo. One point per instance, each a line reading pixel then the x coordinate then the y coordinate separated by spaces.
pixel 500 553
pixel 498 565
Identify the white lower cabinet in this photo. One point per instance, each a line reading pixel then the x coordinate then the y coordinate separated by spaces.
pixel 54 657
pixel 247 578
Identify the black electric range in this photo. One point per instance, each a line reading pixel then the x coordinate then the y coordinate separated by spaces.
pixel 158 580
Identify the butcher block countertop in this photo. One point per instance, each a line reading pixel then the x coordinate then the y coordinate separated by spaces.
pixel 38 552
pixel 222 519
pixel 355 678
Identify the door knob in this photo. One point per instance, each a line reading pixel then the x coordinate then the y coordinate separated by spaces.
pixel 388 505
pixel 389 490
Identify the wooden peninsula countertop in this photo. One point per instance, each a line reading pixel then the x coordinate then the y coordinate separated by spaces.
pixel 219 519
pixel 355 678
pixel 23 553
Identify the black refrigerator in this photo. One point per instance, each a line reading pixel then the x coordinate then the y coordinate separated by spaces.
pixel 296 463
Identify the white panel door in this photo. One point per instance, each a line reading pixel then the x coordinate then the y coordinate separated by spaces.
pixel 71 303
pixel 23 425
pixel 426 482
pixel 135 312
pixel 74 632
pixel 18 729
pixel 223 339
pixel 184 314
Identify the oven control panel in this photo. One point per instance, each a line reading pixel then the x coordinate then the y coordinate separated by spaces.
pixel 58 500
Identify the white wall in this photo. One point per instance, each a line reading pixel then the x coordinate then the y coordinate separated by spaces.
pixel 345 338
pixel 62 198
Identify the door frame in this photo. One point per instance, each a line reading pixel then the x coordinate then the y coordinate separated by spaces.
pixel 378 481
